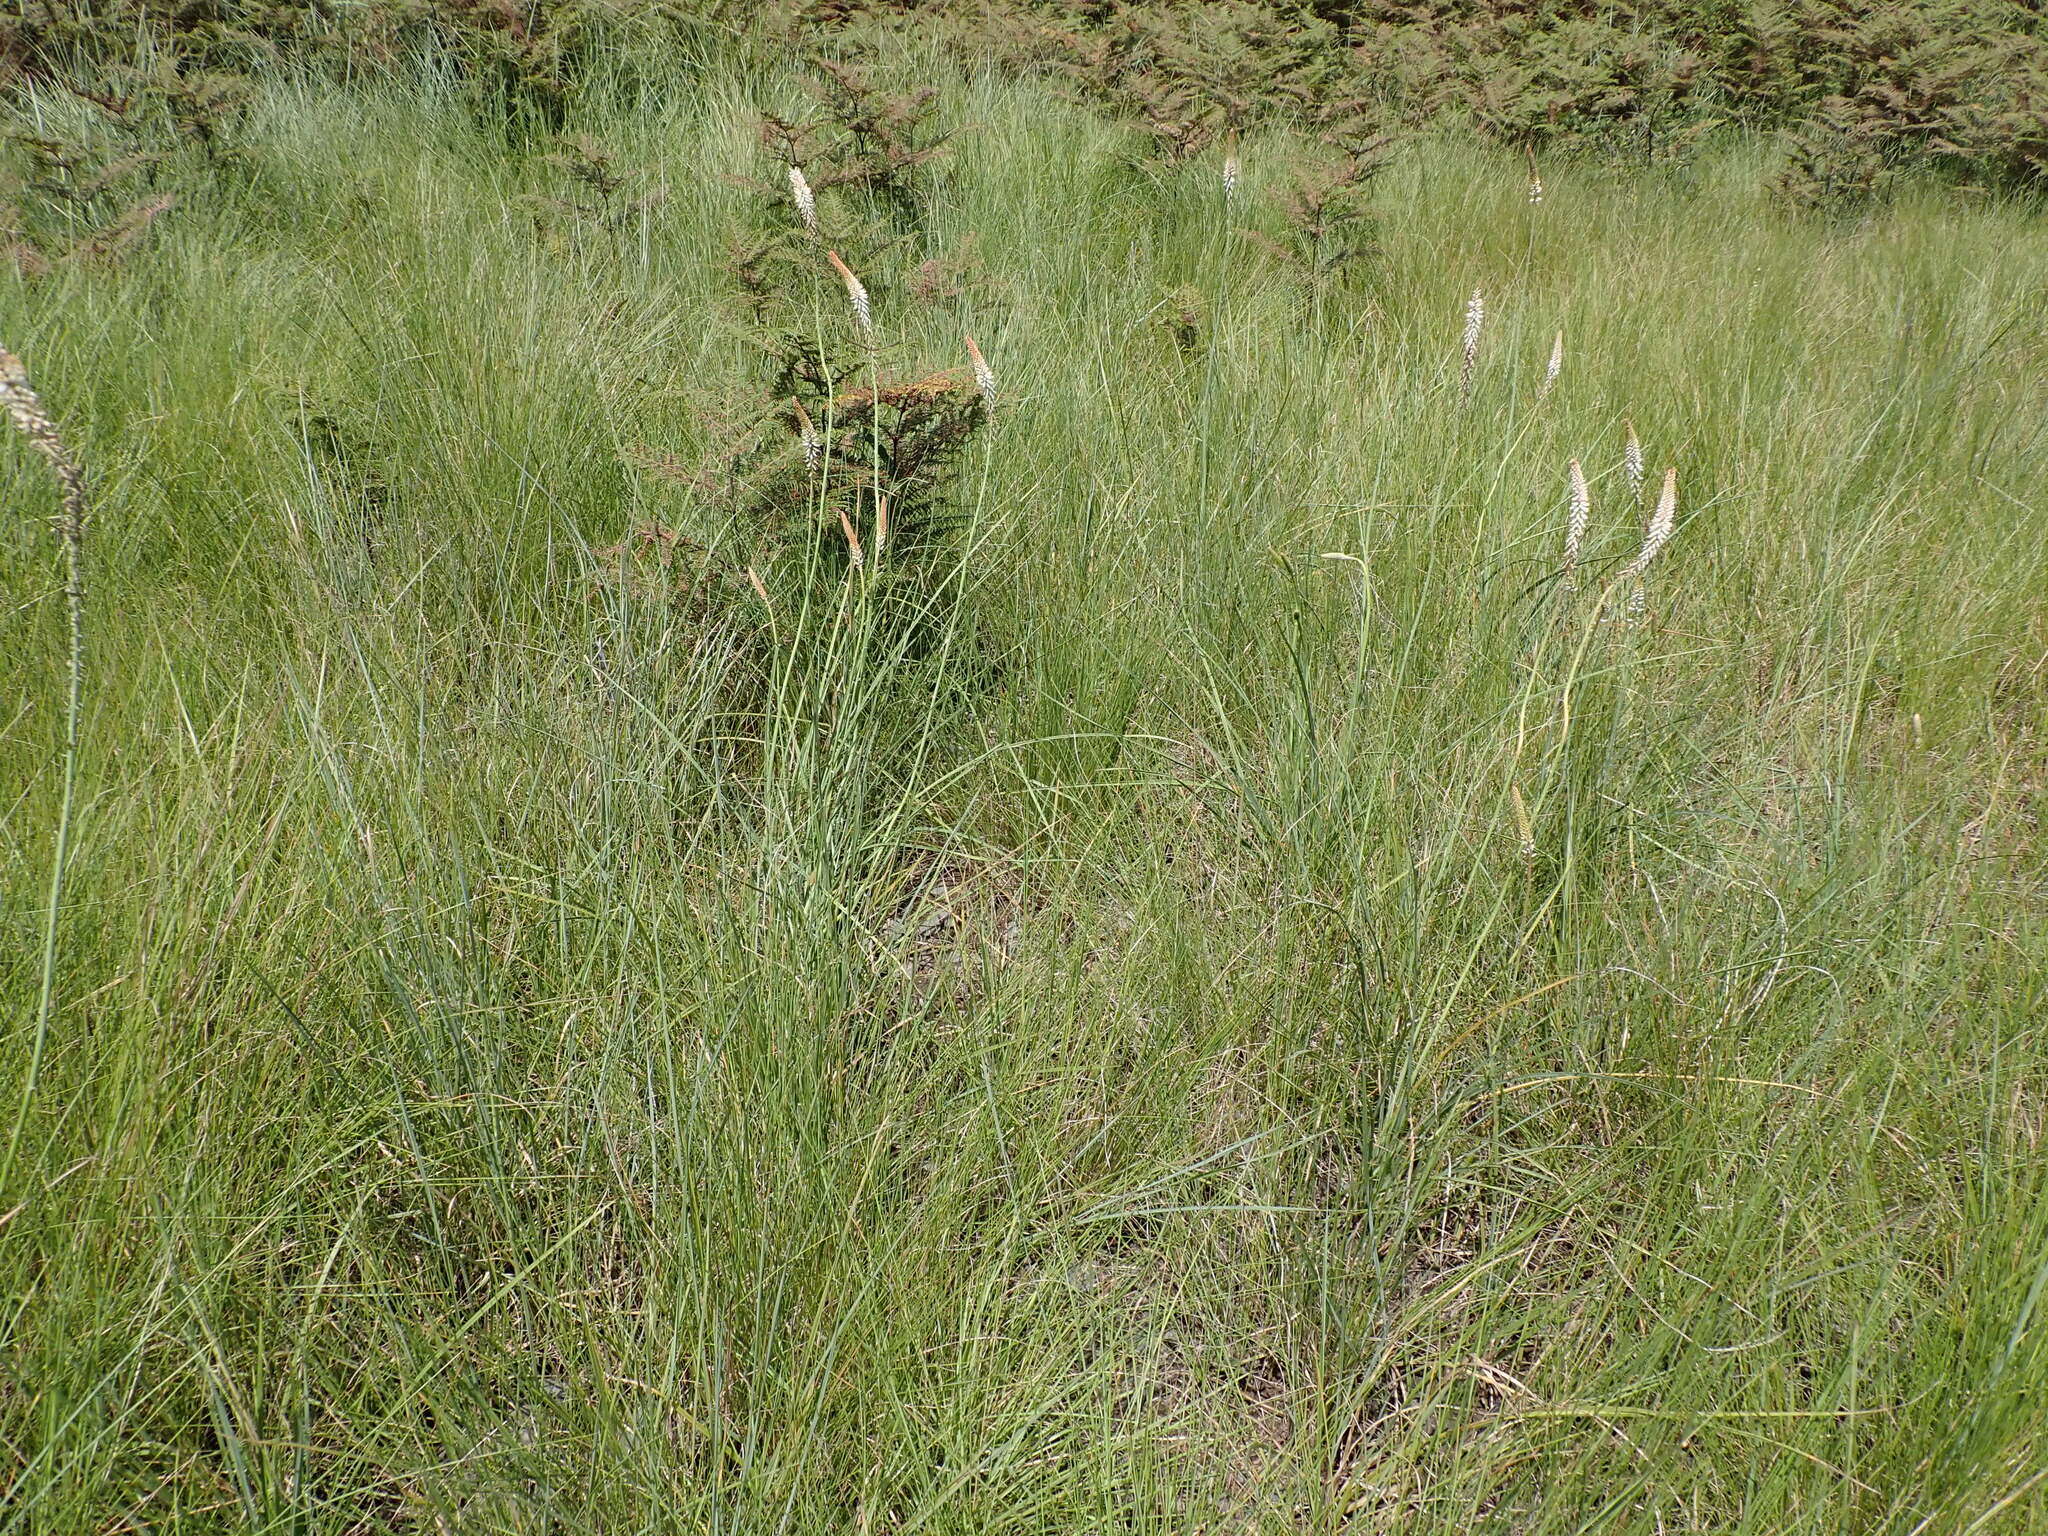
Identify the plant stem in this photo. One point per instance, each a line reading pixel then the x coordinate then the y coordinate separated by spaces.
pixel 26 409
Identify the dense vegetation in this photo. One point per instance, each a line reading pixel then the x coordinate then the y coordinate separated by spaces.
pixel 1858 93
pixel 673 898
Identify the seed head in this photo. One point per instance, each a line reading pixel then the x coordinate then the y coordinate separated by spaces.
pixel 856 293
pixel 1575 526
pixel 24 407
pixel 1556 367
pixel 984 376
pixel 1535 181
pixel 814 445
pixel 1475 321
pixel 1230 175
pixel 806 204
pixel 1632 462
pixel 1663 523
pixel 853 548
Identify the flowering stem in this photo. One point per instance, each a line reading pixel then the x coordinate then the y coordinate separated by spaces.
pixel 26 409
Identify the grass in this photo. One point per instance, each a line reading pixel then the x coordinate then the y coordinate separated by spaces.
pixel 1261 1014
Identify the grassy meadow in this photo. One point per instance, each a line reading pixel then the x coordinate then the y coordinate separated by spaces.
pixel 1201 987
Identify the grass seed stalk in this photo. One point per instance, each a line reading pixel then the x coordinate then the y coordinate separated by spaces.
pixel 1553 369
pixel 984 376
pixel 856 295
pixel 1576 521
pixel 26 410
pixel 1663 523
pixel 1475 322
pixel 807 434
pixel 806 203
